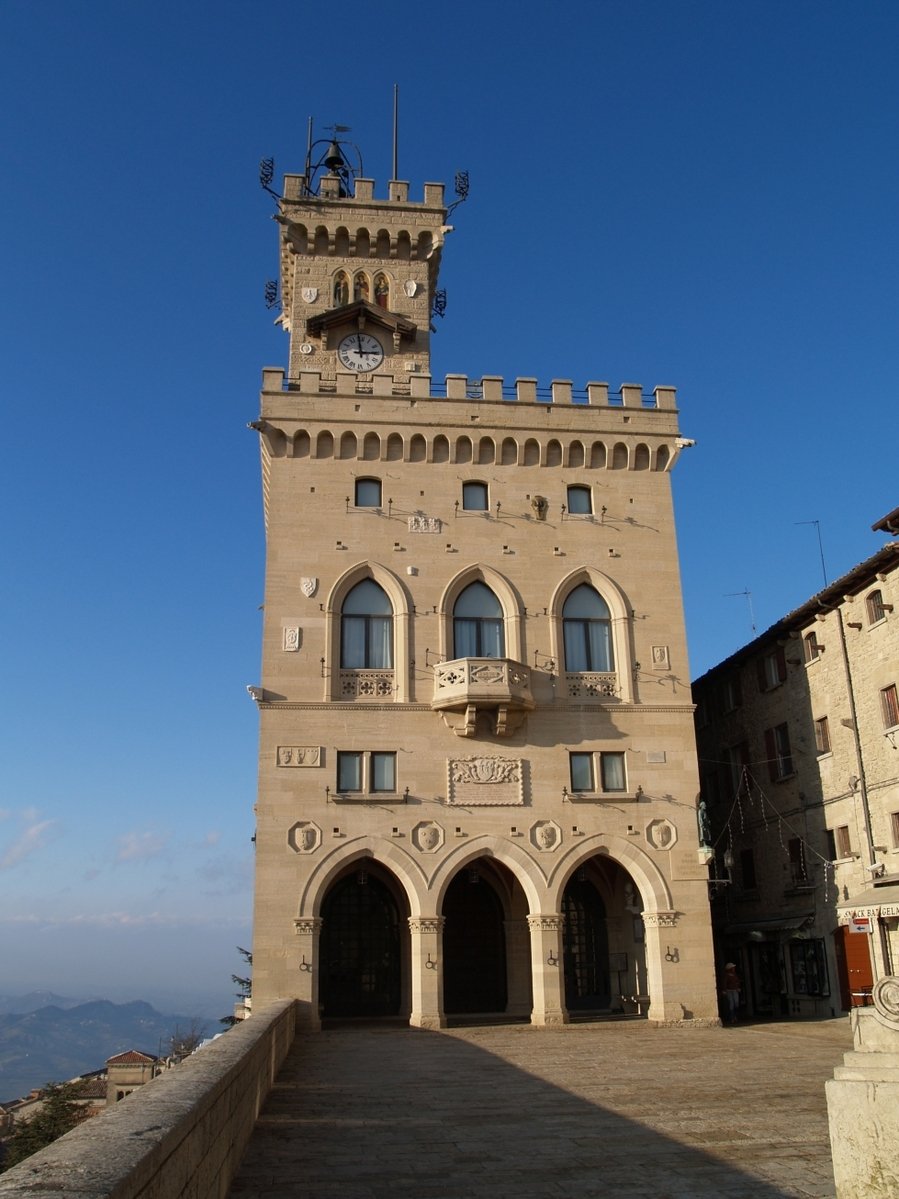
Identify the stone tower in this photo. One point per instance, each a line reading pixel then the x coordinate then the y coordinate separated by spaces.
pixel 477 774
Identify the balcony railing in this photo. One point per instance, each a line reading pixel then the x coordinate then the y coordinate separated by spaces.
pixel 470 685
pixel 365 684
pixel 591 684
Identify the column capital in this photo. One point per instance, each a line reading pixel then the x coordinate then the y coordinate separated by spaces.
pixel 426 924
pixel 546 922
pixel 660 919
pixel 307 925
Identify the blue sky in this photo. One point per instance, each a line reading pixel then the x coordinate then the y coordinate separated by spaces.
pixel 701 194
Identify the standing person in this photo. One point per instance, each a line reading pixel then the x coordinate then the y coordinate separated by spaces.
pixel 730 989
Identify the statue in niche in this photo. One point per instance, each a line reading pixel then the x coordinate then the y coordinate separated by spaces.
pixel 705 829
pixel 341 289
pixel 382 291
pixel 540 504
pixel 360 286
pixel 631 898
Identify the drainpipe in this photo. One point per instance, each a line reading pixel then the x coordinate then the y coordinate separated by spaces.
pixel 862 787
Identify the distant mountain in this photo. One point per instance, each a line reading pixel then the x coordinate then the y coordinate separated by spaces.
pixel 34 1000
pixel 54 1043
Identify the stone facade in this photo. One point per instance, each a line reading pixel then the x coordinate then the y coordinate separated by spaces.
pixel 798 736
pixel 477 788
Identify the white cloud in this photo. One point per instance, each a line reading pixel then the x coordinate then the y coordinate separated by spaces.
pixel 32 837
pixel 138 847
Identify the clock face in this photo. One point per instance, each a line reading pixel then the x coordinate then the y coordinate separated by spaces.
pixel 360 352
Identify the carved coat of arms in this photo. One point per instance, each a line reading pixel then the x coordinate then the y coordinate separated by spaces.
pixel 309 294
pixel 308 587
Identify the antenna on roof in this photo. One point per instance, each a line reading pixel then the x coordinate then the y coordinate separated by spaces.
pixel 748 594
pixel 817 525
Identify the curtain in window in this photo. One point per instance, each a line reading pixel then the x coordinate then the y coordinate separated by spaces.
pixel 478 624
pixel 587 631
pixel 366 628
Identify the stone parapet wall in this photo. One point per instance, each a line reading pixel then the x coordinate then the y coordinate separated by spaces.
pixel 182 1134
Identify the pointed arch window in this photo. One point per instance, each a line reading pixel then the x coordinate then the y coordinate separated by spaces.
pixel 478 624
pixel 587 631
pixel 366 628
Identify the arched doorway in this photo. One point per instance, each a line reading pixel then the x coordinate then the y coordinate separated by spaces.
pixel 360 948
pixel 474 945
pixel 585 947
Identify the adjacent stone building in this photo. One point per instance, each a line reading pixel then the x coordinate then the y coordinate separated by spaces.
pixel 798 736
pixel 477 772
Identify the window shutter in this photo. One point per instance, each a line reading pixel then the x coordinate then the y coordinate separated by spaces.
pixel 781 664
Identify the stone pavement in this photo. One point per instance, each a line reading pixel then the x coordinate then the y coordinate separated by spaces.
pixel 513 1112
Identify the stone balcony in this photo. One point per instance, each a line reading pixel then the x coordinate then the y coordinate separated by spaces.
pixel 467 686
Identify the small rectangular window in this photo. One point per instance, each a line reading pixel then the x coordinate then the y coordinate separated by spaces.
pixel 580 501
pixel 366 773
pixel 349 771
pixel 876 607
pixel 894 828
pixel 731 696
pixel 383 772
pixel 842 842
pixel 777 750
pixel 772 669
pixel 890 704
pixel 474 497
pixel 811 647
pixel 822 735
pixel 368 493
pixel 612 770
pixel 796 850
pixel 581 766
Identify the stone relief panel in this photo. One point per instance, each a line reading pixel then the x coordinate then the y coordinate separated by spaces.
pixel 290 639
pixel 546 836
pixel 425 524
pixel 308 586
pixel 480 781
pixel 660 658
pixel 661 834
pixel 304 837
pixel 427 836
pixel 299 755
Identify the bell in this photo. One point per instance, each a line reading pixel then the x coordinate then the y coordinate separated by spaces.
pixel 334 158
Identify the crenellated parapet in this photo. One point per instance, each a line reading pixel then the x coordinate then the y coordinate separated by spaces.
pixel 489 388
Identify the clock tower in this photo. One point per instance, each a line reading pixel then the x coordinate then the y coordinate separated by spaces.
pixel 358 275
pixel 477 771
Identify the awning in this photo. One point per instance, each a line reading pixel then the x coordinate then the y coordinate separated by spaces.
pixel 872 902
pixel 785 924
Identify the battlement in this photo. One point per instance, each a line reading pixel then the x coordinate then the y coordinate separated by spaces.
pixel 489 388
pixel 295 190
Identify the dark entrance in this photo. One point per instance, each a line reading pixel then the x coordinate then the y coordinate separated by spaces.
pixel 360 949
pixel 585 945
pixel 474 947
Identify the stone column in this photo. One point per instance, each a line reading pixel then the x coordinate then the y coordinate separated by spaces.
pixel 547 972
pixel 308 930
pixel 518 975
pixel 663 957
pixel 863 1101
pixel 427 972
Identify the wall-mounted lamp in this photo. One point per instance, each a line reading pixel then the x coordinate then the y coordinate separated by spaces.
pixel 305 966
pixel 552 960
pixel 671 955
pixel 430 964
